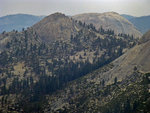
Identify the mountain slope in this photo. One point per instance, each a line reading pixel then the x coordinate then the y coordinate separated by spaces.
pixel 137 57
pixel 17 22
pixel 56 27
pixel 141 23
pixel 110 20
pixel 33 67
pixel 121 86
pixel 128 17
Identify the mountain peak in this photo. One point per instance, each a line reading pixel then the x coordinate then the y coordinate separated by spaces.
pixel 55 27
pixel 109 20
pixel 56 15
pixel 112 12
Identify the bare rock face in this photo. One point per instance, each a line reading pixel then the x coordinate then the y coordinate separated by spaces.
pixel 54 27
pixel 136 58
pixel 109 20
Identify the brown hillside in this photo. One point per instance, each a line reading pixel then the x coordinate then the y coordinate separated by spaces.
pixel 55 26
pixel 109 20
pixel 138 56
pixel 96 90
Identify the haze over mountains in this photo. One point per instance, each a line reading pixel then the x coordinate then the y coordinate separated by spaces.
pixel 60 64
pixel 128 17
pixel 17 22
pixel 141 23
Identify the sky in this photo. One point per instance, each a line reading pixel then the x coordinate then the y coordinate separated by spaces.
pixel 72 7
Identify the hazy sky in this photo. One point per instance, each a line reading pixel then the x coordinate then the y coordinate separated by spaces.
pixel 71 7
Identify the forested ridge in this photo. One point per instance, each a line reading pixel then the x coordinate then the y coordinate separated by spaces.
pixel 31 68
